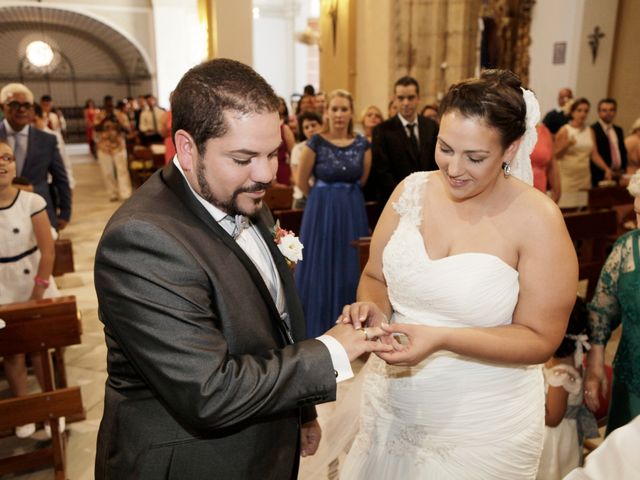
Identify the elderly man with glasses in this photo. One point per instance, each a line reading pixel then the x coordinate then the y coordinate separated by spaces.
pixel 36 153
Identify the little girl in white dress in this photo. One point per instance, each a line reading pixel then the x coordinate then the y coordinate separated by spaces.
pixel 567 420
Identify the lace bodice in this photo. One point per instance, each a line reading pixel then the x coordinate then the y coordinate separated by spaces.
pixel 469 289
pixel 338 164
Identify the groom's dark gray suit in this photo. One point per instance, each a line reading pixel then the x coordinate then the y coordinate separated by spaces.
pixel 203 383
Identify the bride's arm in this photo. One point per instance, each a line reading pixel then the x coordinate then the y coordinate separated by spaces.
pixel 373 306
pixel 548 277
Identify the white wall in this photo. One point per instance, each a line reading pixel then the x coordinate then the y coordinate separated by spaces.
pixel 571 21
pixel 276 55
pixel 179 43
pixel 273 51
pixel 551 23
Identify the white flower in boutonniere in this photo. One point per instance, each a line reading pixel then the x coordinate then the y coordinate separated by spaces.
pixel 288 244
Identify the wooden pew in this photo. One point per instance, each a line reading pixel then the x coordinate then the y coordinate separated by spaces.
pixel 63 262
pixel 141 165
pixel 617 198
pixel 607 197
pixel 38 326
pixel 591 232
pixel 279 198
pixel 290 219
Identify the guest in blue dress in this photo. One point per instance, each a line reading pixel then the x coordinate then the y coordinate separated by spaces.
pixel 335 215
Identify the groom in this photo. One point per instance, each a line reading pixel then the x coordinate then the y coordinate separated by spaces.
pixel 209 372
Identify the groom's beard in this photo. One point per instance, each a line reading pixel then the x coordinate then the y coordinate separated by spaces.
pixel 229 206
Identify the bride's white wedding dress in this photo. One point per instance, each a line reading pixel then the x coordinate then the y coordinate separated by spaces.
pixel 450 417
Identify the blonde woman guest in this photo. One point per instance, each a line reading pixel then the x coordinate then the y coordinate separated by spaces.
pixel 632 144
pixel 574 148
pixel 335 215
pixel 370 118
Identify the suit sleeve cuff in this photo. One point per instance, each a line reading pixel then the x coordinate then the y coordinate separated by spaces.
pixel 339 358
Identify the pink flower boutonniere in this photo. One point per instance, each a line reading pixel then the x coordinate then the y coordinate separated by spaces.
pixel 288 244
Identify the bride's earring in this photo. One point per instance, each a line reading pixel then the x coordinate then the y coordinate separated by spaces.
pixel 506 168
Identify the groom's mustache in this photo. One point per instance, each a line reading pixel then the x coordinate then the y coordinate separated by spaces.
pixel 256 187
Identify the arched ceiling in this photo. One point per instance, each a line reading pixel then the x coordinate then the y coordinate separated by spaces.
pixel 89 50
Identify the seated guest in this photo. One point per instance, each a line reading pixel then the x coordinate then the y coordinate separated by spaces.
pixel 556 118
pixel 26 262
pixel 616 303
pixel 36 153
pixel 609 142
pixel 632 144
pixel 310 124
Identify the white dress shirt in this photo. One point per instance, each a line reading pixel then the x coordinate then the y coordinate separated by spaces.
pixel 406 122
pixel 256 249
pixel 22 138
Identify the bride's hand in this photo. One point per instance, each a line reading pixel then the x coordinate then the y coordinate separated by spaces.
pixel 362 314
pixel 416 342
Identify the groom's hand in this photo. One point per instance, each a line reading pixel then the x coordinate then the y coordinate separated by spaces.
pixel 310 435
pixel 362 314
pixel 359 341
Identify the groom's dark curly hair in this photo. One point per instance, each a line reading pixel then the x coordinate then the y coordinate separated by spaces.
pixel 208 90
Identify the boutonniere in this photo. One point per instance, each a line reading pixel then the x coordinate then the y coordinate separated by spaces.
pixel 288 244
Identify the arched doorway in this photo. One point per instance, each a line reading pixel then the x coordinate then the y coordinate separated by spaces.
pixel 91 59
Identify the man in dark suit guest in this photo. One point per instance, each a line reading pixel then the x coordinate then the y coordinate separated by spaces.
pixel 403 144
pixel 37 154
pixel 609 141
pixel 556 118
pixel 210 374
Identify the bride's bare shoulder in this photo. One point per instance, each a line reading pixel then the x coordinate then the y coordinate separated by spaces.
pixel 537 215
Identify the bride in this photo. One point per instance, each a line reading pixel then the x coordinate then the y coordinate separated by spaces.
pixel 476 274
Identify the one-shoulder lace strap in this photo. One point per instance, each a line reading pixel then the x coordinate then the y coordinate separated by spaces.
pixel 409 205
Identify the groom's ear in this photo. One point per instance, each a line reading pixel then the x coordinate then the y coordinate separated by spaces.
pixel 186 149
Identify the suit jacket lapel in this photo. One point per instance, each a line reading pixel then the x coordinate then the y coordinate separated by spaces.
pixel 177 183
pixel 294 307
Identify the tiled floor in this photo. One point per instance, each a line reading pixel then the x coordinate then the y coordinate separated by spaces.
pixel 86 363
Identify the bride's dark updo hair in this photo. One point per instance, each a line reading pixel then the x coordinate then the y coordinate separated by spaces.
pixel 495 97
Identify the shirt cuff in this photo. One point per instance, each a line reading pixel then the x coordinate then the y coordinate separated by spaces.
pixel 339 358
